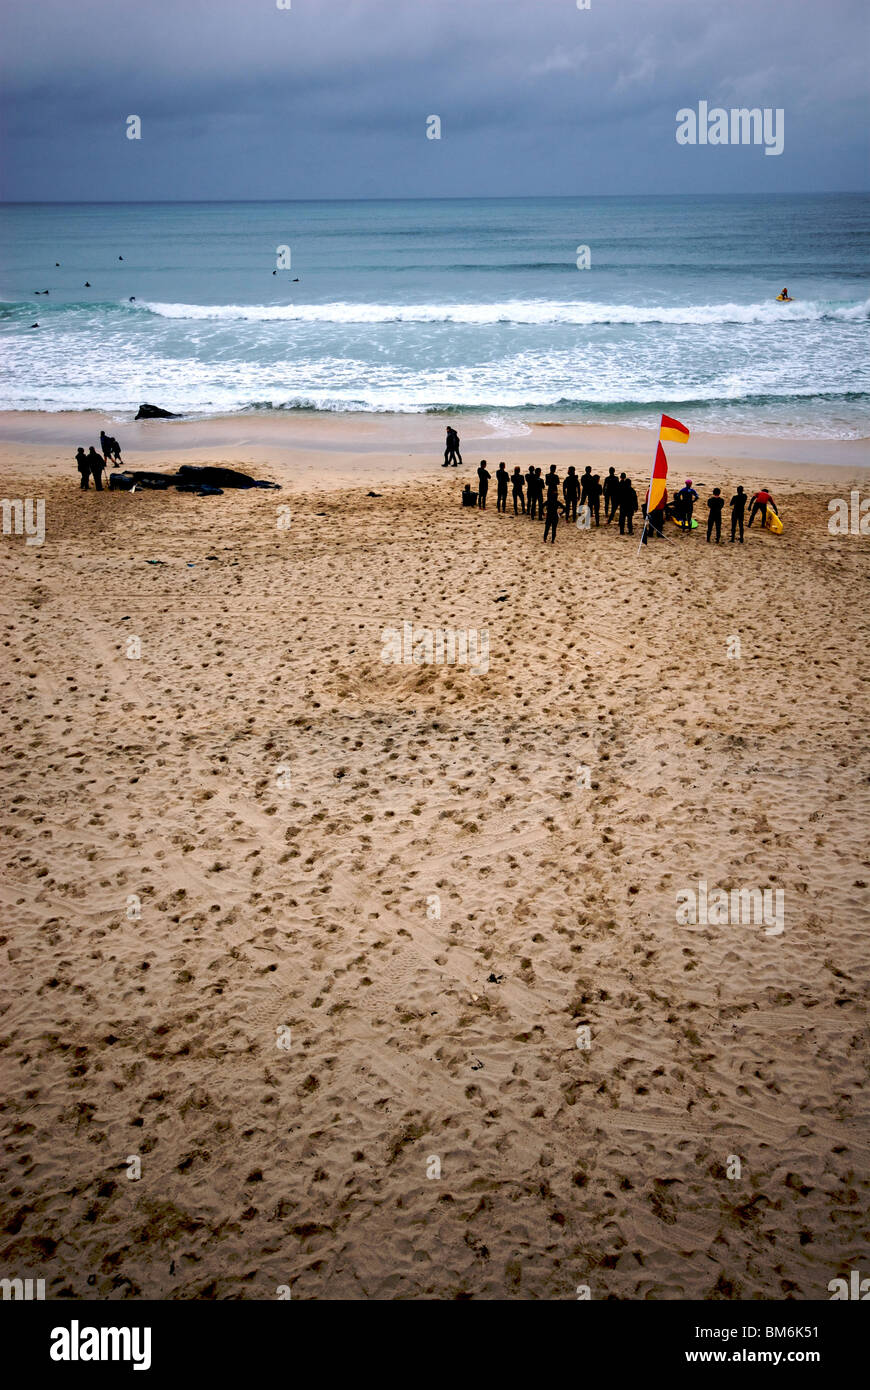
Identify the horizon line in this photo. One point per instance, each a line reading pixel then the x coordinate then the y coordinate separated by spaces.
pixel 452 198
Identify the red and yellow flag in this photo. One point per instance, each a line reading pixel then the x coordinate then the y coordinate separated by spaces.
pixel 658 479
pixel 672 429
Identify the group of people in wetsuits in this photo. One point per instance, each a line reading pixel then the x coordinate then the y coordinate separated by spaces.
pixel 683 506
pixel 547 497
pixel 93 465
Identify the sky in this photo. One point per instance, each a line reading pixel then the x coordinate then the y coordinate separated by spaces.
pixel 331 98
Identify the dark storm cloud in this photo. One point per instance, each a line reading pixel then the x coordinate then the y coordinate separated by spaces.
pixel 330 98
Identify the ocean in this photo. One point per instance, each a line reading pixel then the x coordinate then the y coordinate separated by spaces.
pixel 462 306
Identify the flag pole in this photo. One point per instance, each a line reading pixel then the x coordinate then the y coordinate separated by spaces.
pixel 668 429
pixel 648 496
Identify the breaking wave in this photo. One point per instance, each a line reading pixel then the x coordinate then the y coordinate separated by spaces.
pixel 527 311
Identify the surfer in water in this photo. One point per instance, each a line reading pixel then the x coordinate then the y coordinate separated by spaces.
pixel 785 297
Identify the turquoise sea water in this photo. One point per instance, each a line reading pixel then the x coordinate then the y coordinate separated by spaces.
pixel 465 305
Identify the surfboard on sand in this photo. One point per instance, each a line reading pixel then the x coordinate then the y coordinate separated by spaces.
pixel 678 521
pixel 772 522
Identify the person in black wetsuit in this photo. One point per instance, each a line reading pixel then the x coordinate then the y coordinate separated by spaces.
pixel 716 503
pixel 611 494
pixel 738 507
pixel 501 486
pixel 551 514
pixel 535 495
pixel 620 485
pixel 531 497
pixel 106 445
pixel 627 507
pixel 483 484
pixel 518 482
pixel 593 497
pixel 451 452
pixel 97 465
pixel 552 480
pixel 83 464
pixel 585 480
pixel 570 492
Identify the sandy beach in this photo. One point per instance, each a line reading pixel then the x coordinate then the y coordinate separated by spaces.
pixel 373 971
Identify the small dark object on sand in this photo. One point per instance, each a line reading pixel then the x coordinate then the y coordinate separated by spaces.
pixel 374 494
pixel 154 412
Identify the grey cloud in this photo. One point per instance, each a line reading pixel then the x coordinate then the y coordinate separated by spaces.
pixel 336 92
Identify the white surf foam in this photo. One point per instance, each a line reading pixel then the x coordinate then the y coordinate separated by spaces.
pixel 529 311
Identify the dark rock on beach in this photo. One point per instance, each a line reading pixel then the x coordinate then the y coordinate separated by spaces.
pixel 155 412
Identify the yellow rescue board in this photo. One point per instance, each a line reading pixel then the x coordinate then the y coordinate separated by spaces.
pixel 784 299
pixel 772 522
